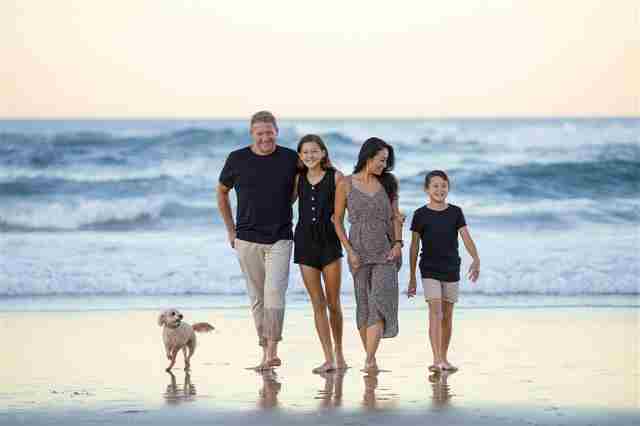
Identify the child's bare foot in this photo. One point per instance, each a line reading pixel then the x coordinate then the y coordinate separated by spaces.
pixel 447 366
pixel 324 368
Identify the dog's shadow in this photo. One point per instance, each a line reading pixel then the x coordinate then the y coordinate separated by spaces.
pixel 177 394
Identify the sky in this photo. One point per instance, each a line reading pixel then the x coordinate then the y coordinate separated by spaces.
pixel 329 59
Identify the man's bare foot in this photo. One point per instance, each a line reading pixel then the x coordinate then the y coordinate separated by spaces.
pixel 273 362
pixel 261 366
pixel 324 368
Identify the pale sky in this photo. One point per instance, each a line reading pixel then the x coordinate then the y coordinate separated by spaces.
pixel 320 59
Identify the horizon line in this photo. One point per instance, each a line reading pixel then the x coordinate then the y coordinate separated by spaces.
pixel 326 118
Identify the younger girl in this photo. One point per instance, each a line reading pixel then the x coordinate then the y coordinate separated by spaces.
pixel 436 225
pixel 317 248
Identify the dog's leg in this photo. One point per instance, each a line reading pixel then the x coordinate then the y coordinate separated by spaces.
pixel 173 356
pixel 191 344
pixel 186 358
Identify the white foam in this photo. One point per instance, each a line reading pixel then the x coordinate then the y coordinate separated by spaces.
pixel 603 260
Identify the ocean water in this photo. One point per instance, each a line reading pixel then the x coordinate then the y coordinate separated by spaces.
pixel 127 207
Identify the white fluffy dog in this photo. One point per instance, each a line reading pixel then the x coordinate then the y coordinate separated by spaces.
pixel 179 335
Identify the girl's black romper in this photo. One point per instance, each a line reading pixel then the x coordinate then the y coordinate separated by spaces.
pixel 316 242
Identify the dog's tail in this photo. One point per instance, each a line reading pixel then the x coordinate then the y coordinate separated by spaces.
pixel 202 327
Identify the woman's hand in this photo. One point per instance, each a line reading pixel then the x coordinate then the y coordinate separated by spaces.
pixel 411 290
pixel 474 271
pixel 395 253
pixel 353 259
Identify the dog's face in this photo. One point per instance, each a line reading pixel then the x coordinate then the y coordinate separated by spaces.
pixel 170 317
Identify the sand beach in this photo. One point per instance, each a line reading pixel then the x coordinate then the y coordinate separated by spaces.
pixel 545 365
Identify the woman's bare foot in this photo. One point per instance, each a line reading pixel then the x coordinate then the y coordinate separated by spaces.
pixel 434 368
pixel 370 366
pixel 324 368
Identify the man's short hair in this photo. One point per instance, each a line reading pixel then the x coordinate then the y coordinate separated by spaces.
pixel 263 117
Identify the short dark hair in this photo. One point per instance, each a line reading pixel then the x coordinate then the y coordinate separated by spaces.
pixel 263 117
pixel 434 173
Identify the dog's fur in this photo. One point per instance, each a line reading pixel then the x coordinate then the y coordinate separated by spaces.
pixel 179 335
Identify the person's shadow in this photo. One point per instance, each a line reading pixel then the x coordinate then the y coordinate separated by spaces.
pixel 441 389
pixel 269 391
pixel 175 393
pixel 331 395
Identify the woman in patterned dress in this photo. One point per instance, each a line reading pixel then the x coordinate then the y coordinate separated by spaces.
pixel 374 244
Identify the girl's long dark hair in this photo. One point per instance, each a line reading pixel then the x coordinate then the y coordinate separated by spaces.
pixel 325 163
pixel 369 149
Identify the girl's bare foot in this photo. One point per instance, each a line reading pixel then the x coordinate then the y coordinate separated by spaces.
pixel 341 364
pixel 324 368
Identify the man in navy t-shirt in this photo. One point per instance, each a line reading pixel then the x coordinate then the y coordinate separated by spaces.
pixel 263 176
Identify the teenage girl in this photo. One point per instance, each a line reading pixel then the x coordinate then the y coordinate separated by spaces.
pixel 317 249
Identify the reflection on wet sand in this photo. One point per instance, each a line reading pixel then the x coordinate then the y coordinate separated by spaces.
pixel 377 397
pixel 441 388
pixel 270 390
pixel 176 394
pixel 331 395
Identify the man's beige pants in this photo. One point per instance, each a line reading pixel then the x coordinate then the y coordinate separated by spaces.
pixel 266 271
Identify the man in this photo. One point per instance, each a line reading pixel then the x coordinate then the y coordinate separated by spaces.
pixel 263 176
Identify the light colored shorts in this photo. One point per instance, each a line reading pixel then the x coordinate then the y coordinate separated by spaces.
pixel 434 289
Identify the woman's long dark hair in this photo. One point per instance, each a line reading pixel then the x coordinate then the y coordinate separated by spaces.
pixel 369 149
pixel 325 163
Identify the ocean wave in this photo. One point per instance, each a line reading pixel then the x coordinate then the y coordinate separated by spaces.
pixel 606 177
pixel 108 215
pixel 117 188
pixel 39 151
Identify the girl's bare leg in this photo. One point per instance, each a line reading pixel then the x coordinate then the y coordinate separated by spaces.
pixel 435 331
pixel 311 278
pixel 332 274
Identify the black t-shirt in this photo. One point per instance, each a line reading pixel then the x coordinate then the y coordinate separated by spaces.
pixel 264 185
pixel 439 238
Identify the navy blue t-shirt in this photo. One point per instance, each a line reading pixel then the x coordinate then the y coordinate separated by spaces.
pixel 264 186
pixel 438 231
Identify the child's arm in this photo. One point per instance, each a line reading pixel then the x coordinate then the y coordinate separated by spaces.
pixel 474 269
pixel 413 261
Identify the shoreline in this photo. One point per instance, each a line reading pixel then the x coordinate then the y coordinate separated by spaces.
pixel 297 301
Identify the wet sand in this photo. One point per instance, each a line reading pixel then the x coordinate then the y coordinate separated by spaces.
pixel 548 366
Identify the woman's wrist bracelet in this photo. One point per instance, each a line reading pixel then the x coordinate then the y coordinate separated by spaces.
pixel 398 242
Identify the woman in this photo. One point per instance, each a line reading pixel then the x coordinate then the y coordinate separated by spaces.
pixel 317 248
pixel 374 245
